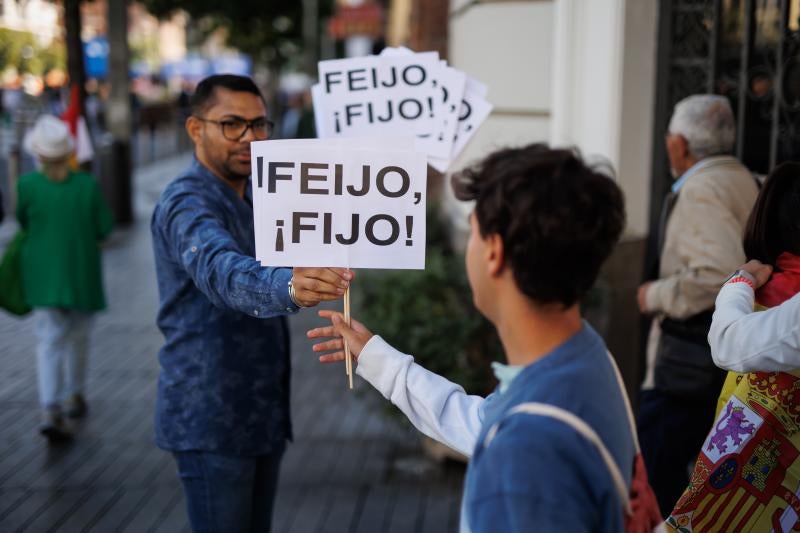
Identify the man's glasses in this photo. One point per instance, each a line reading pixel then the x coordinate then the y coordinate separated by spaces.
pixel 234 129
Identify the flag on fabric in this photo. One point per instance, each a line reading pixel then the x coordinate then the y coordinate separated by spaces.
pixel 73 116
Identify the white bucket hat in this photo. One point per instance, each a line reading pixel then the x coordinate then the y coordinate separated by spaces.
pixel 49 139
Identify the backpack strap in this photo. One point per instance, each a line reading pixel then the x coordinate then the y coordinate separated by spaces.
pixel 568 418
pixel 624 393
pixel 543 409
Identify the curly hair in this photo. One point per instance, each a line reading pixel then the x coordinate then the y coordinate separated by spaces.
pixel 558 217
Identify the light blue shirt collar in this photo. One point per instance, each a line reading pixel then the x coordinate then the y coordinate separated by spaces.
pixel 505 374
pixel 676 187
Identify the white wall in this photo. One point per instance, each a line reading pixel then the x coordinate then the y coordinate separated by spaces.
pixel 604 89
pixel 509 47
pixel 587 78
pixel 571 72
pixel 637 110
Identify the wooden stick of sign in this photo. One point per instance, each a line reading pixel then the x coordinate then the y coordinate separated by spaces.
pixel 346 304
pixel 348 357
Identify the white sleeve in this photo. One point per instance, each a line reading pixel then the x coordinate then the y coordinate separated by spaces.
pixel 437 407
pixel 744 341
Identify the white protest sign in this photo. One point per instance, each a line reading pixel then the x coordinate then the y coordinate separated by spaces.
pixel 396 51
pixel 321 205
pixel 473 111
pixel 451 84
pixel 470 113
pixel 396 144
pixel 439 163
pixel 401 92
pixel 381 95
pixel 477 87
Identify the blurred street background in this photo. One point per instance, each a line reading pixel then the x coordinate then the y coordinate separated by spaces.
pixel 350 467
pixel 600 75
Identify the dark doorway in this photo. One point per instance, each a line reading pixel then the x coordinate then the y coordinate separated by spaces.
pixel 747 50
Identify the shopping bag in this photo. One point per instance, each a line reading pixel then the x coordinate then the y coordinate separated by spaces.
pixel 12 298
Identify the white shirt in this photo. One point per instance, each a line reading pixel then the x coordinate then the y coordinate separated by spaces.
pixel 437 407
pixel 743 341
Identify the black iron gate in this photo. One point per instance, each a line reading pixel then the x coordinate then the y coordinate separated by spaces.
pixel 747 50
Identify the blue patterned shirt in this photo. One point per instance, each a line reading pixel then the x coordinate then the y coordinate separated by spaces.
pixel 224 380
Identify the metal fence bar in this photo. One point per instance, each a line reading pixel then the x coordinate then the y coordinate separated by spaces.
pixel 713 46
pixel 744 74
pixel 778 87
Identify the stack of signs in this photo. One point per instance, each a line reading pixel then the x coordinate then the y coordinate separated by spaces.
pixel 398 93
pixel 355 203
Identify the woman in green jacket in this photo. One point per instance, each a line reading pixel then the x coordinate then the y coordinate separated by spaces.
pixel 64 217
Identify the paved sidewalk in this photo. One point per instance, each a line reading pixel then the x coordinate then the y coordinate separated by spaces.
pixel 349 469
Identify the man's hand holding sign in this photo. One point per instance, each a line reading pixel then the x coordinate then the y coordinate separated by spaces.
pixel 357 198
pixel 342 207
pixel 346 204
pixel 311 286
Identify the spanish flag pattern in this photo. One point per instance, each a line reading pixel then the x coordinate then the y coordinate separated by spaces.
pixel 747 475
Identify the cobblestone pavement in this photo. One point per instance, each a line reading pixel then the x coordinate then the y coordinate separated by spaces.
pixel 349 469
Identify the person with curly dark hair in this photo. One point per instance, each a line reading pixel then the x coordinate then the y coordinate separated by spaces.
pixel 543 224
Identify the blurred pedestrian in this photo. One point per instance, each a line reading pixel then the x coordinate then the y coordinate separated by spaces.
pixel 700 243
pixel 93 106
pixel 297 121
pixel 184 101
pixel 12 98
pixel 530 260
pixel 63 214
pixel 223 391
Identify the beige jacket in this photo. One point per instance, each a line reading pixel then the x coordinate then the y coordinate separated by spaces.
pixel 703 242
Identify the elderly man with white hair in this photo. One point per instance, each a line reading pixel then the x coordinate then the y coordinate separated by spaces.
pixel 700 242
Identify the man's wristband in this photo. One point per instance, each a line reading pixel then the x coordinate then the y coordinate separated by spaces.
pixel 742 276
pixel 293 296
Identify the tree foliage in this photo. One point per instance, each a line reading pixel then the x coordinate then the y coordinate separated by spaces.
pixel 269 31
pixel 21 50
pixel 429 313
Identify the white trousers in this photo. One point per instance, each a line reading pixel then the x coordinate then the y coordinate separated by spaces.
pixel 61 353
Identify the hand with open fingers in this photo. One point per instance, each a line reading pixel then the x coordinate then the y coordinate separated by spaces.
pixel 759 270
pixel 314 285
pixel 356 334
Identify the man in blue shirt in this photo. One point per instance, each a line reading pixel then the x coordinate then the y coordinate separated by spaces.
pixel 543 224
pixel 223 391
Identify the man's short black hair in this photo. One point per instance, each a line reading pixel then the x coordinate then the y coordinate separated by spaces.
pixel 204 94
pixel 559 218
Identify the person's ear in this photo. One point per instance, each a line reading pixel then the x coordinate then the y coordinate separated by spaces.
pixel 682 146
pixel 495 255
pixel 194 128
